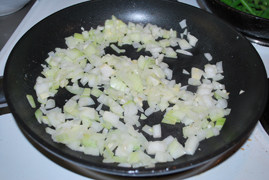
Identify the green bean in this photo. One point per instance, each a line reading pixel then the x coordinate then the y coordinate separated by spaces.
pixel 247 7
pixel 254 7
pixel 235 3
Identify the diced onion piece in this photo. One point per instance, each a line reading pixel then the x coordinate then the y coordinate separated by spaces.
pixel 184 71
pixel 157 133
pixel 219 67
pixel 184 44
pixel 38 115
pixel 149 111
pixel 163 157
pixel 168 139
pixel 183 24
pixel 175 149
pixel 118 84
pixel 192 39
pixel 106 70
pixel 194 82
pixel 210 70
pixel 118 50
pixel 156 146
pixel 50 104
pixel 142 117
pixel 147 129
pixel 85 101
pixel 181 51
pixel 220 122
pixel 208 56
pixel 191 145
pixel 111 118
pixel 196 73
pixel 31 100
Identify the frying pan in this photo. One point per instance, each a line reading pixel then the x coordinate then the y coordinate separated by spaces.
pixel 243 70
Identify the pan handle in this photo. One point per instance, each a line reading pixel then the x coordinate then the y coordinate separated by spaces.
pixel 3 104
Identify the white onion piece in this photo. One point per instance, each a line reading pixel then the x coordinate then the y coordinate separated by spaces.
pixel 184 71
pixel 156 146
pixel 111 117
pixel 208 56
pixel 194 82
pixel 157 132
pixel 219 67
pixel 149 111
pixel 181 51
pixel 184 44
pixel 222 103
pixel 50 104
pixel 183 24
pixel 147 129
pixel 163 157
pixel 191 145
pixel 85 101
pixel 210 70
pixel 168 139
pixel 175 149
pixel 196 73
pixel 192 39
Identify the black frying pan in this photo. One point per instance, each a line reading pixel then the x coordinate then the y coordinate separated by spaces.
pixel 243 68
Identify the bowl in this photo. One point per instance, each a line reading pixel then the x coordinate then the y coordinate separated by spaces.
pixel 253 27
pixel 10 6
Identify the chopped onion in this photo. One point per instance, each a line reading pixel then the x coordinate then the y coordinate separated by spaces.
pixel 181 51
pixel 183 43
pixel 184 71
pixel 191 145
pixel 31 100
pixel 192 39
pixel 107 107
pixel 157 133
pixel 147 129
pixel 208 56
pixel 156 146
pixel 183 24
pixel 241 91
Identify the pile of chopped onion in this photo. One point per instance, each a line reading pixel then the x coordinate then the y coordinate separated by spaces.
pixel 118 88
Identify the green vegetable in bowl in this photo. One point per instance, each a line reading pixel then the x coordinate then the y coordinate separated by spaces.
pixel 255 7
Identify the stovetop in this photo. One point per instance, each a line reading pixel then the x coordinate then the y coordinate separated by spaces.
pixel 19 159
